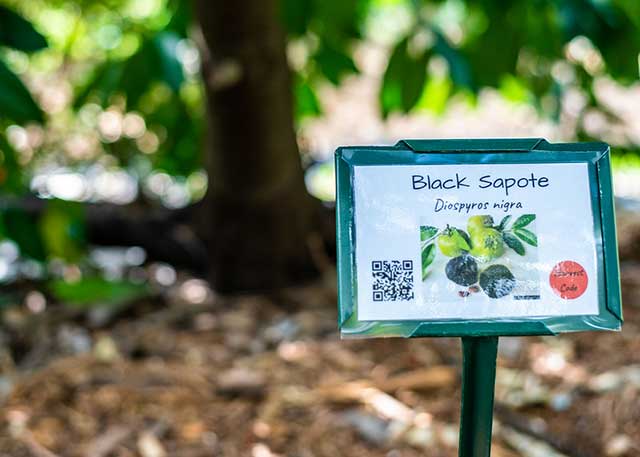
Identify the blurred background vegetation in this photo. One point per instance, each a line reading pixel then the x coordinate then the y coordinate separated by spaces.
pixel 157 153
pixel 105 103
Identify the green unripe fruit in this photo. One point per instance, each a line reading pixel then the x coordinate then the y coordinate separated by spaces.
pixel 487 244
pixel 476 223
pixel 453 242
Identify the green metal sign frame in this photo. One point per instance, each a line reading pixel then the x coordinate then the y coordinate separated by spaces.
pixel 490 151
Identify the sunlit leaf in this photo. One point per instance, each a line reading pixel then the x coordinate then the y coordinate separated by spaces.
pixel 11 177
pixel 514 89
pixel 22 228
pixel 334 63
pixel 16 103
pixel 181 152
pixel 459 69
pixel 494 51
pixel 404 79
pixel 18 33
pixel 307 104
pixel 166 45
pixel 62 227
pixel 156 60
pixel 436 95
pixel 102 83
pixel 631 8
pixel 181 17
pixel 610 28
pixel 89 292
pixel 339 20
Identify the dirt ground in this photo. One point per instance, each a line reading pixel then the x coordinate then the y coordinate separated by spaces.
pixel 264 376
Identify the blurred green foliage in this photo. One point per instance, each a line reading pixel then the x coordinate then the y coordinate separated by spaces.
pixel 139 57
pixel 115 84
pixel 62 230
pixel 115 56
pixel 92 292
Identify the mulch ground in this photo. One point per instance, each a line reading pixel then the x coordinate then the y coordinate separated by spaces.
pixel 266 376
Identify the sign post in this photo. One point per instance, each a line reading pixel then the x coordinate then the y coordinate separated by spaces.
pixel 478 381
pixel 476 239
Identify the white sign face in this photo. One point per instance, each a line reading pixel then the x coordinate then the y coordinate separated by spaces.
pixel 474 241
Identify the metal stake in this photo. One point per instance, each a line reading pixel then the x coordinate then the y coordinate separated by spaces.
pixel 478 384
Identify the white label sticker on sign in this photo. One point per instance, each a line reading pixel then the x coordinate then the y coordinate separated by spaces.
pixel 474 241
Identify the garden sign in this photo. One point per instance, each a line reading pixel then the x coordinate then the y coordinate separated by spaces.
pixel 476 239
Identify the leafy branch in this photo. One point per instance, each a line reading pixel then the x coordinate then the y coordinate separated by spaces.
pixel 517 233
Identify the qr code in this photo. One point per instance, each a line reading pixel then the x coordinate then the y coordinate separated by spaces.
pixel 392 280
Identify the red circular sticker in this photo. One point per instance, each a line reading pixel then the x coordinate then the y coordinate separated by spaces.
pixel 568 279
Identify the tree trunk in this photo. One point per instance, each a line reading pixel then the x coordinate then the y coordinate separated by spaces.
pixel 257 216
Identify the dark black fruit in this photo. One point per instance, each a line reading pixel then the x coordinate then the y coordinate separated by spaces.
pixel 463 270
pixel 497 281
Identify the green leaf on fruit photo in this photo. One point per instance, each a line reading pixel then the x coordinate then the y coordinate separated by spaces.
pixel 524 220
pixel 513 242
pixel 428 248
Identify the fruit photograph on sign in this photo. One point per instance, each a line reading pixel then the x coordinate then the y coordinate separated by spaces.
pixel 482 258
